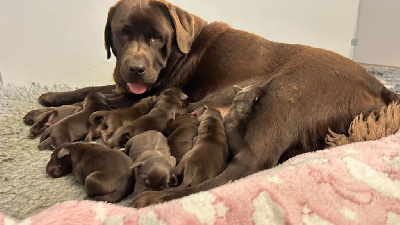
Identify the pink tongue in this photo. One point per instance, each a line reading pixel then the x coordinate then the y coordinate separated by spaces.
pixel 137 88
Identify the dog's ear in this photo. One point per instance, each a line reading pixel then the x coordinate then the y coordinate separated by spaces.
pixel 187 26
pixel 63 152
pixel 108 33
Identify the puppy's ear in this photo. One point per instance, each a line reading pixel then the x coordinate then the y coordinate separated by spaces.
pixel 63 152
pixel 187 26
pixel 108 33
pixel 236 89
pixel 172 161
pixel 173 182
pixel 183 96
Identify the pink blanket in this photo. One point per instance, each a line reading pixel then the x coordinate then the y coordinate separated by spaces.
pixel 357 183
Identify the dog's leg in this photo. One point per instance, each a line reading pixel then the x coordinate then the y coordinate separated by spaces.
pixel 70 97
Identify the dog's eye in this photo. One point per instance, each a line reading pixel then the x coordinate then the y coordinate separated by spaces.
pixel 122 33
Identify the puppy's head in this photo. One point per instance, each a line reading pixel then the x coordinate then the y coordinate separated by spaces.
pixel 249 94
pixel 144 35
pixel 60 162
pixel 153 172
pixel 94 97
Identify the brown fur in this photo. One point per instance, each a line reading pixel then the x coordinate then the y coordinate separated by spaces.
pixel 306 90
pixel 153 162
pixel 105 122
pixel 106 173
pixel 208 156
pixel 32 115
pixel 169 104
pixel 74 127
pixel 239 115
pixel 376 125
pixel 181 133
pixel 49 118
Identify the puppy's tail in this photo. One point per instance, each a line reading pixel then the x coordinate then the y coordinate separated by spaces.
pixel 97 118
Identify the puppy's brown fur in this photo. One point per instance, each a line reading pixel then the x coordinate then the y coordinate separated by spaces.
pixel 105 122
pixel 169 104
pixel 49 118
pixel 181 133
pixel 376 125
pixel 239 115
pixel 153 162
pixel 208 156
pixel 74 127
pixel 106 173
pixel 306 89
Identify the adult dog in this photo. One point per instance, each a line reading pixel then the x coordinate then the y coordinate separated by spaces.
pixel 305 89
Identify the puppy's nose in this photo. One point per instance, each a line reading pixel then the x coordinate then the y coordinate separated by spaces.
pixel 137 67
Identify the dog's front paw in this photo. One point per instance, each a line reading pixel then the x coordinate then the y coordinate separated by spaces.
pixel 151 197
pixel 51 99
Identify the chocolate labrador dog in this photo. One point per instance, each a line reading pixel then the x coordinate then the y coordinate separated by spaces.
pixel 106 122
pixel 170 103
pixel 74 127
pixel 106 173
pixel 208 156
pixel 152 159
pixel 46 119
pixel 239 115
pixel 306 90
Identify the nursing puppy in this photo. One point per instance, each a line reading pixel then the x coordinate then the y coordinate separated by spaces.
pixel 238 117
pixel 49 118
pixel 169 104
pixel 106 173
pixel 153 162
pixel 158 45
pixel 105 122
pixel 74 127
pixel 32 115
pixel 181 133
pixel 208 156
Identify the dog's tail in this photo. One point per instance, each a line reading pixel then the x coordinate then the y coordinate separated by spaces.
pixel 96 118
pixel 389 96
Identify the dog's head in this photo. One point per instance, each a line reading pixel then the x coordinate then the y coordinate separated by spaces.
pixel 147 37
pixel 60 162
pixel 153 171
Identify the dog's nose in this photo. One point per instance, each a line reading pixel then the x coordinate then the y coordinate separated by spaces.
pixel 137 67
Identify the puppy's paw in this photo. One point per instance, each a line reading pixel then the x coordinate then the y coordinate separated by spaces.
pixel 152 197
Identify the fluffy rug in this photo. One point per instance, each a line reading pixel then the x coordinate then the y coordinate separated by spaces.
pixel 357 183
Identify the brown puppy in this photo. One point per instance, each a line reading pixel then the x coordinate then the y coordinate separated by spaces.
pixel 32 115
pixel 306 89
pixel 169 104
pixel 181 133
pixel 49 118
pixel 208 156
pixel 107 122
pixel 238 117
pixel 106 173
pixel 74 127
pixel 153 162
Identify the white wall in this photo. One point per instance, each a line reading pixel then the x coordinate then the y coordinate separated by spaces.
pixel 61 41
